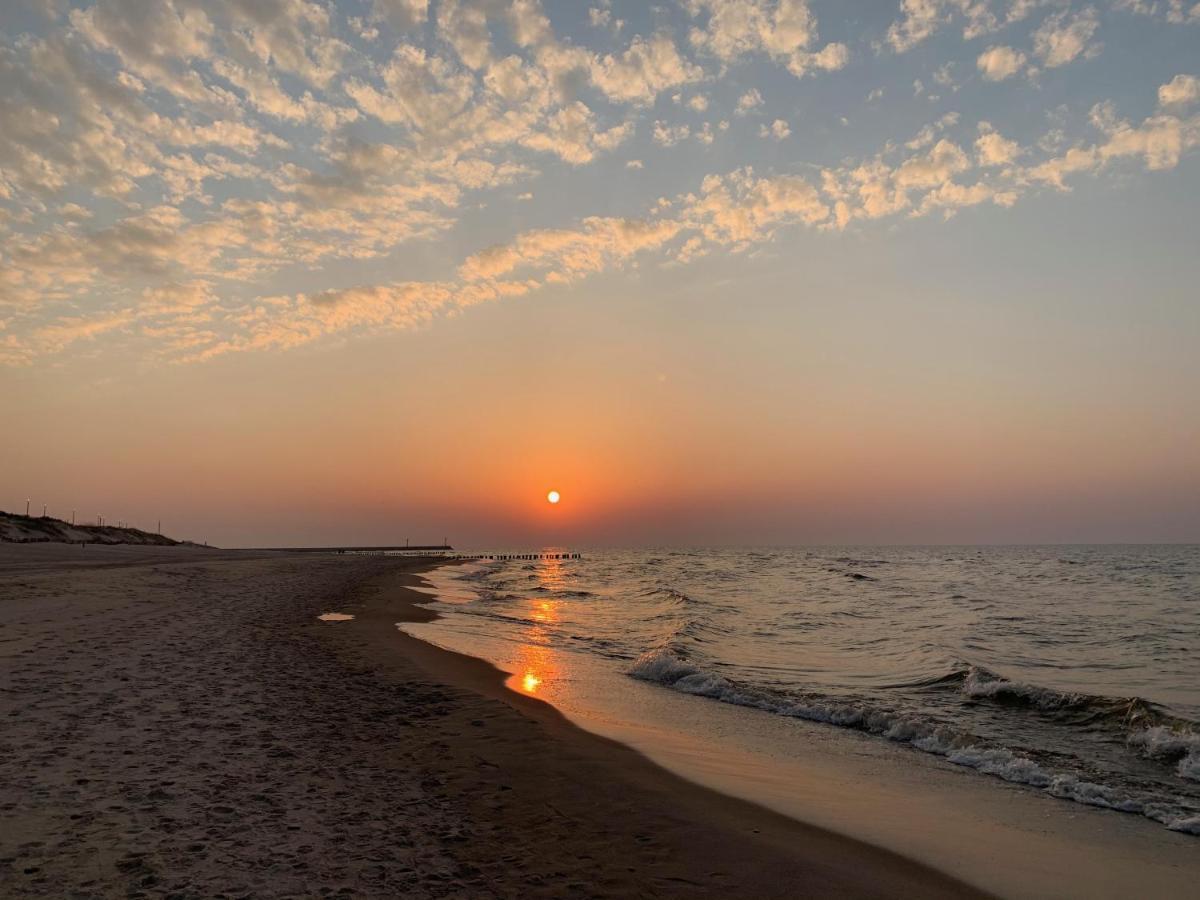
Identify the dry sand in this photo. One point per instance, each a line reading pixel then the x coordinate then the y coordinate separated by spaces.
pixel 179 723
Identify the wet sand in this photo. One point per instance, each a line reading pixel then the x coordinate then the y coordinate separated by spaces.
pixel 180 723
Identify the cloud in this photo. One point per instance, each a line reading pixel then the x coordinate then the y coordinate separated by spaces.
pixel 785 31
pixel 571 134
pixel 920 19
pixel 57 337
pixel 778 130
pixel 669 135
pixel 1177 12
pixel 1182 90
pixel 566 254
pixel 748 102
pixel 740 207
pixel 1064 37
pixel 999 63
pixel 401 14
pixel 993 149
pixel 169 171
pixel 464 25
pixel 644 70
pixel 426 92
pixel 1160 141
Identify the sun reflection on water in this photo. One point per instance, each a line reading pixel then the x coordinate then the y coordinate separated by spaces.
pixel 539 666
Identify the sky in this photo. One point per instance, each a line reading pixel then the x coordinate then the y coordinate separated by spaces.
pixel 722 272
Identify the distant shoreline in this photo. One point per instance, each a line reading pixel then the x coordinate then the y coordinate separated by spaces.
pixel 16 528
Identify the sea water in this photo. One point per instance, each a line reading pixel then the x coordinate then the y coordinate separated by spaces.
pixel 1073 670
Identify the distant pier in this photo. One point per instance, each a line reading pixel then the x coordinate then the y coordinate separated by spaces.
pixel 445 551
pixel 499 556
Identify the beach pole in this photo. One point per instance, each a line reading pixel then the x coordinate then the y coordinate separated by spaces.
pixel 27 507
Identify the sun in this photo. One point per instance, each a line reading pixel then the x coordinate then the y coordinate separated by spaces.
pixel 553 496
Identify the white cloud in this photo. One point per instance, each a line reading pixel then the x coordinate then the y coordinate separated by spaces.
pixel 401 14
pixel 1160 142
pixel 999 63
pixel 570 253
pixel 644 70
pixel 1064 37
pixel 1177 12
pixel 748 102
pixel 785 31
pixel 669 135
pixel 944 76
pixel 920 19
pixel 166 167
pixel 1182 90
pixel 778 130
pixel 571 134
pixel 993 149
pixel 464 25
pixel 428 93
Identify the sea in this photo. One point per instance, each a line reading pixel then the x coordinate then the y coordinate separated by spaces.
pixel 1072 670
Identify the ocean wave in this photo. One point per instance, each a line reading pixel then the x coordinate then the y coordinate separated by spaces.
pixel 666 666
pixel 1145 727
pixel 980 684
pixel 1172 743
pixel 852 575
pixel 673 596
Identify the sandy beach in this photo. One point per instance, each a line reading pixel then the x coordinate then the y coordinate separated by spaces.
pixel 179 723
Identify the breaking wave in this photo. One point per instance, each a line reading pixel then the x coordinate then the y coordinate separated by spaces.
pixel 667 666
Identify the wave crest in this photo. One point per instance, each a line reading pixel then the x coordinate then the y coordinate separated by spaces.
pixel 664 665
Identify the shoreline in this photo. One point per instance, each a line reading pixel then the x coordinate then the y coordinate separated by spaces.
pixel 184 725
pixel 763 853
pixel 998 836
pixel 181 722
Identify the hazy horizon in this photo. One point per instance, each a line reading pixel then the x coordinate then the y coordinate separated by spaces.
pixel 723 273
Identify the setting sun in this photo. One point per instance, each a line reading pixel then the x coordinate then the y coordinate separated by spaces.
pixel 553 496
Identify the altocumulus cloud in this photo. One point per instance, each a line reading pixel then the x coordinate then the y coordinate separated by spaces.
pixel 166 167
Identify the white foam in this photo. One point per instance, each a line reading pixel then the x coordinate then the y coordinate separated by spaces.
pixel 982 684
pixel 1189 767
pixel 662 666
pixel 1162 742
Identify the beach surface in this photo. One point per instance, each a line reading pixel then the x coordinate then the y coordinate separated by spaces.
pixel 179 722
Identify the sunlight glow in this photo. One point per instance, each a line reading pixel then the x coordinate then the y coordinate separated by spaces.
pixel 553 496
